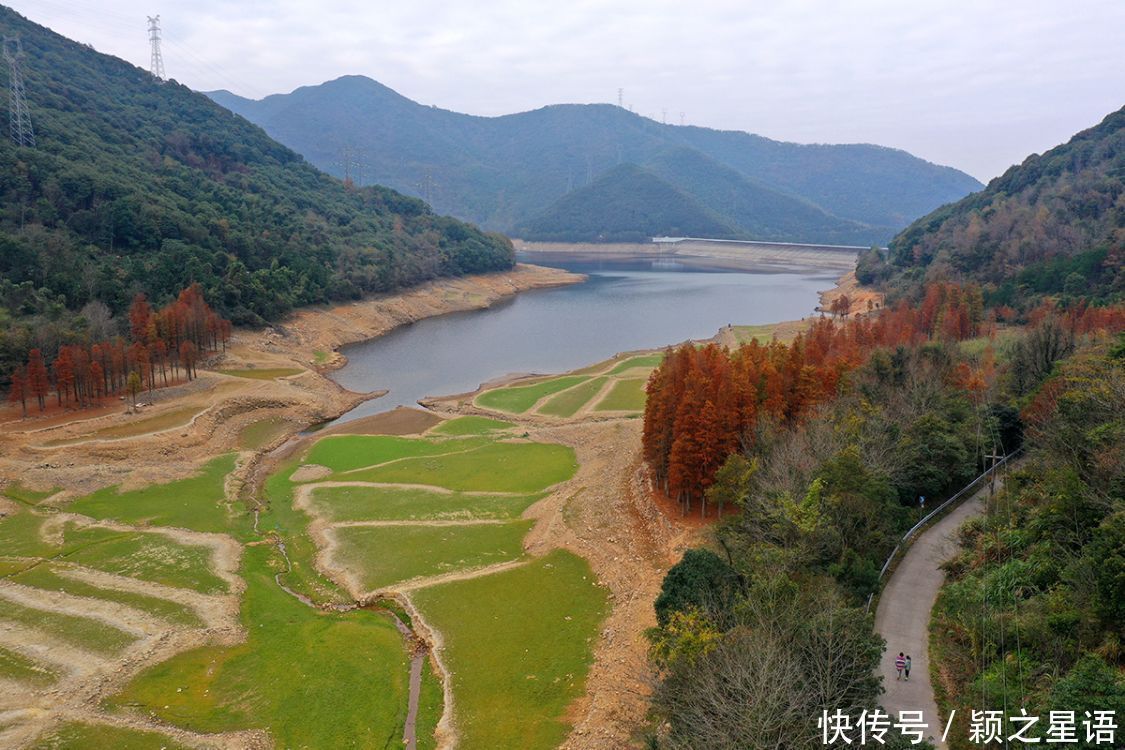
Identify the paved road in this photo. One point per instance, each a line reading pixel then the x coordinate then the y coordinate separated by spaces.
pixel 903 616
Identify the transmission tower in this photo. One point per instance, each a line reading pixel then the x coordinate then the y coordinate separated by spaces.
pixel 621 98
pixel 156 63
pixel 20 120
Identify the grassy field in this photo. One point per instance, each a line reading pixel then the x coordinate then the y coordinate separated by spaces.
pixel 260 434
pixel 518 399
pixel 314 679
pixel 495 467
pixel 343 453
pixel 46 577
pixel 196 503
pixel 645 360
pixel 82 632
pixel 147 557
pixel 263 373
pixel 430 704
pixel 133 428
pixel 566 403
pixel 19 493
pixel 401 504
pixel 519 644
pixel 626 395
pixel 17 667
pixel 471 425
pixel 382 555
pixel 279 517
pixel 81 736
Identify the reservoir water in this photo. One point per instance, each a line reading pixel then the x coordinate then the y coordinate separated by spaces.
pixel 625 305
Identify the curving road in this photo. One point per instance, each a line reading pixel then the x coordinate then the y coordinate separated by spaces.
pixel 903 616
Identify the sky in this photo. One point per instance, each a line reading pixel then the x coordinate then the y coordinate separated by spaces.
pixel 976 85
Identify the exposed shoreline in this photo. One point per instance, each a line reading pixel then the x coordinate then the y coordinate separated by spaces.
pixel 308 342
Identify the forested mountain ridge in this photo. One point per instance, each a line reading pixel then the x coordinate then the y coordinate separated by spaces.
pixel 141 186
pixel 626 204
pixel 504 171
pixel 1054 224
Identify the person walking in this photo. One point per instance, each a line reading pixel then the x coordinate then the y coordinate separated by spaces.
pixel 906 668
pixel 900 664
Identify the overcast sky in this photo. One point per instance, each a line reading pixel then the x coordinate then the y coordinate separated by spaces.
pixel 974 84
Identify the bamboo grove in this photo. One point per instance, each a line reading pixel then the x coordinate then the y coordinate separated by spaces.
pixel 163 347
pixel 705 403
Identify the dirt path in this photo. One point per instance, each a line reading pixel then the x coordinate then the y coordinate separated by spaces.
pixel 903 615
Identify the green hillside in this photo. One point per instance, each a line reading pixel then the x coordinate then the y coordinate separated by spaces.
pixel 626 204
pixel 503 171
pixel 755 211
pixel 141 186
pixel 1054 224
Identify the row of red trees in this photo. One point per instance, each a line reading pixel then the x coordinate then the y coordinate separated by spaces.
pixel 703 403
pixel 163 345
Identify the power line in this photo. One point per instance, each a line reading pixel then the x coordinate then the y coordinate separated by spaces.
pixel 19 121
pixel 156 61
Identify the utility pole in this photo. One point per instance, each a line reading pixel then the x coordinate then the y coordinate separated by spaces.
pixel 156 61
pixel 19 120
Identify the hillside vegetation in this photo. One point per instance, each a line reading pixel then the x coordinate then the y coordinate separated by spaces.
pixel 141 186
pixel 1053 225
pixel 504 171
pixel 626 204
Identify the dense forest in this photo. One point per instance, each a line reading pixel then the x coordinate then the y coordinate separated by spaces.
pixel 1035 610
pixel 1053 225
pixel 503 171
pixel 141 186
pixel 824 447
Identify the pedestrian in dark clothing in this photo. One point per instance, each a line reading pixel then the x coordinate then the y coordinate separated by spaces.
pixel 907 668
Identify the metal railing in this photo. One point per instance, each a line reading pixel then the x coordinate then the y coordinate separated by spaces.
pixel 967 491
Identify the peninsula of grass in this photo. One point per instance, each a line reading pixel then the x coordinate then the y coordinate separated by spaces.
pixel 343 453
pixel 470 425
pixel 263 373
pixel 625 395
pixel 311 678
pixel 17 667
pixel 519 644
pixel 568 402
pixel 645 360
pixel 82 632
pixel 383 555
pixel 495 467
pixel 518 399
pixel 47 577
pixel 82 736
pixel 376 503
pixel 196 503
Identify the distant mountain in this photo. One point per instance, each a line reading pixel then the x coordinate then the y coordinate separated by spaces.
pixel 626 204
pixel 1054 224
pixel 141 186
pixel 503 171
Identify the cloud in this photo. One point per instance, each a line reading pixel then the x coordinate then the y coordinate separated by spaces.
pixel 974 84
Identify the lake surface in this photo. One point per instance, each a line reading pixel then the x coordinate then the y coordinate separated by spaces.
pixel 625 305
